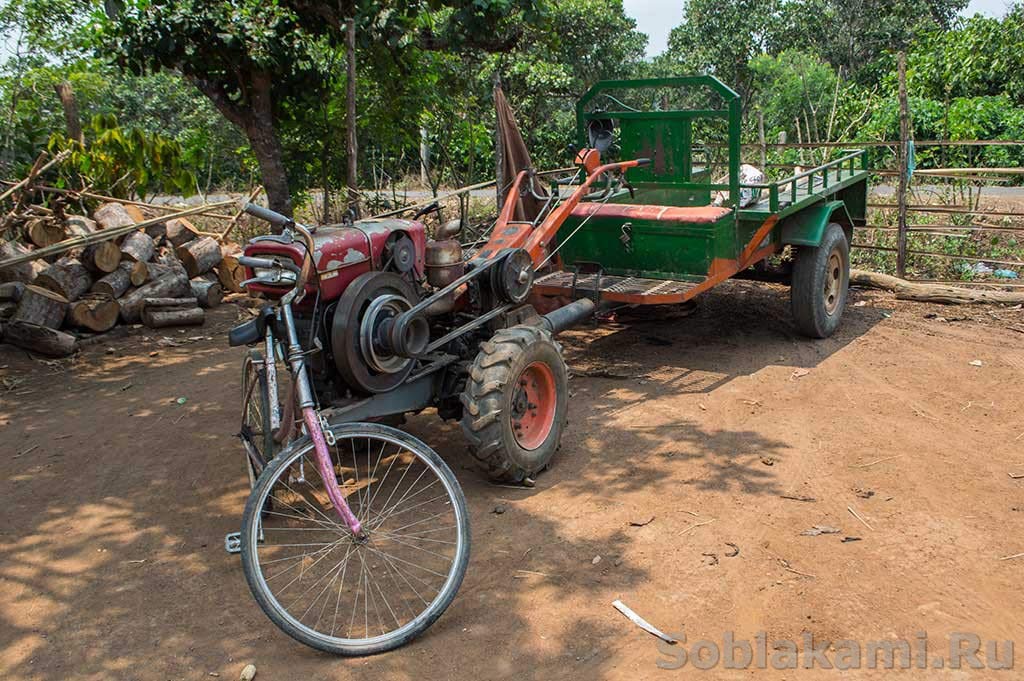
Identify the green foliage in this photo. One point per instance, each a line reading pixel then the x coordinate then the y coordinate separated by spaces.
pixel 123 163
pixel 981 57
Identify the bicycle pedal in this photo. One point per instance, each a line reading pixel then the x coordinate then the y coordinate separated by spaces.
pixel 233 542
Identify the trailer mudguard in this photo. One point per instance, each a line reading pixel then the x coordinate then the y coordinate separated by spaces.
pixel 807 227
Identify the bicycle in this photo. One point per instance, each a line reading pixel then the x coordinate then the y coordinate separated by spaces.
pixel 355 537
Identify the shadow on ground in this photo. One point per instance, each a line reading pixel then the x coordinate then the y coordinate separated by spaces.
pixel 117 499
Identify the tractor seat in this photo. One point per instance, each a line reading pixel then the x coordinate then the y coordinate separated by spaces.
pixel 699 215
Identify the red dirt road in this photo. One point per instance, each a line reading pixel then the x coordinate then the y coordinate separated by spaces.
pixel 116 500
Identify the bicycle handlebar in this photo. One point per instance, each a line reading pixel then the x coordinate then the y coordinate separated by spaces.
pixel 285 222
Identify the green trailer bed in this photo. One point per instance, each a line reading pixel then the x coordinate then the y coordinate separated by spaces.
pixel 666 239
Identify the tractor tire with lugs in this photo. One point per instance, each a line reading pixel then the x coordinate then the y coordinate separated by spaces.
pixel 515 403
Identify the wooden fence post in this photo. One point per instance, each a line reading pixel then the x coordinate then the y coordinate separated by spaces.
pixel 903 165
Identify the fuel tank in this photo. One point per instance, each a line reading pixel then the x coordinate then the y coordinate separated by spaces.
pixel 343 252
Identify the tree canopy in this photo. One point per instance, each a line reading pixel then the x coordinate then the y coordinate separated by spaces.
pixel 249 89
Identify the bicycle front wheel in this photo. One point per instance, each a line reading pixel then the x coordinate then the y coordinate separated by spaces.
pixel 357 595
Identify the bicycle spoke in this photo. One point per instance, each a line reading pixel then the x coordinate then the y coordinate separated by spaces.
pixel 331 586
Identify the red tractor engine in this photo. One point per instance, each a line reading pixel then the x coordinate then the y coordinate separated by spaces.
pixel 392 251
pixel 343 253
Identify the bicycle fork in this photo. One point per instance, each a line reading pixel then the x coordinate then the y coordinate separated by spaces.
pixel 314 426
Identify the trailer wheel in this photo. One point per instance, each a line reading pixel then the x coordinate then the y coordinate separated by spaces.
pixel 821 279
pixel 515 403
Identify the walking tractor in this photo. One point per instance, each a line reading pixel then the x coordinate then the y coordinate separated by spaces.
pixel 355 537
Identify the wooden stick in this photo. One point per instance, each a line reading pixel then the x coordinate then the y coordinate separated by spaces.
pixel 104 235
pixel 695 526
pixel 857 516
pixel 872 463
pixel 1016 555
pixel 234 220
pixel 110 199
pixel 35 173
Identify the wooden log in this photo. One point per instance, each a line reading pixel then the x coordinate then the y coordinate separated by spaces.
pixel 102 258
pixel 934 293
pixel 137 247
pixel 112 216
pixel 44 231
pixel 179 232
pixel 68 277
pixel 24 272
pixel 229 272
pixel 96 312
pixel 160 317
pixel 171 285
pixel 139 273
pixel 186 301
pixel 12 291
pixel 134 212
pixel 79 225
pixel 40 339
pixel 207 293
pixel 116 283
pixel 199 256
pixel 42 307
pixel 100 235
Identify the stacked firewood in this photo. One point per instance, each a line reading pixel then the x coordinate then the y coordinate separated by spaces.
pixel 163 274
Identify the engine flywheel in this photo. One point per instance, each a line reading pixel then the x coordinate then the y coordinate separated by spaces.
pixel 359 332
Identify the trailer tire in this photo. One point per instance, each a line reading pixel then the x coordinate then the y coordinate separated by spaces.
pixel 515 403
pixel 821 279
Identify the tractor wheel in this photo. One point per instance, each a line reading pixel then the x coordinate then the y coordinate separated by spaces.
pixel 515 403
pixel 821 279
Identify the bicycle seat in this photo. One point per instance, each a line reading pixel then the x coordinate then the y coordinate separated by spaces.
pixel 253 330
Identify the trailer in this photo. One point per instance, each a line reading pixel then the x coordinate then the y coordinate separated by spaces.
pixel 662 238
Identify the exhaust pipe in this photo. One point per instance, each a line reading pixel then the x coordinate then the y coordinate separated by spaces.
pixel 566 317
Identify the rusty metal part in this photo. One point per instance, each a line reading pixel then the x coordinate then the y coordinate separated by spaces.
pixel 448 230
pixel 444 262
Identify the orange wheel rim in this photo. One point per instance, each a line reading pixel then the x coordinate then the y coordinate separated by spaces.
pixel 533 405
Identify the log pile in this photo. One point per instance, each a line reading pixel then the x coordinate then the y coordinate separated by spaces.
pixel 63 275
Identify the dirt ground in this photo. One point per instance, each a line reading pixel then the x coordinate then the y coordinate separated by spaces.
pixel 687 438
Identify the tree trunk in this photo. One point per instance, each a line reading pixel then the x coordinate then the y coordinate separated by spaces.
pixel 258 123
pixel 40 339
pixel 156 318
pixel 351 142
pixel 933 293
pixel 170 285
pixel 70 105
pixel 199 256
pixel 137 247
pixel 68 277
pixel 42 307
pixel 97 313
pixel 207 293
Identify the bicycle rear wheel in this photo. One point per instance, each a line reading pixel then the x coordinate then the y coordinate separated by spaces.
pixel 256 434
pixel 357 596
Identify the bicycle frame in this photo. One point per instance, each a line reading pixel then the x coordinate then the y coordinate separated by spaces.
pixel 295 358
